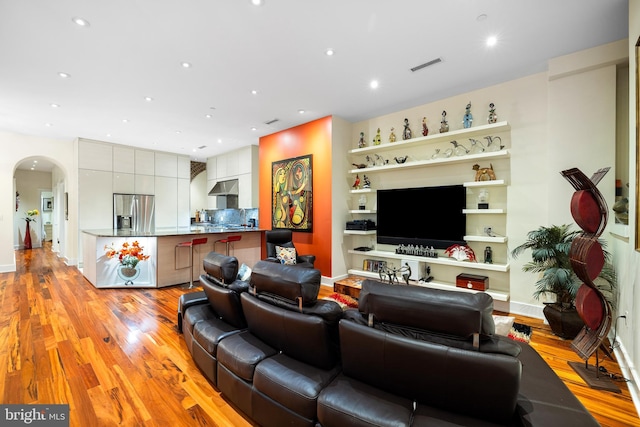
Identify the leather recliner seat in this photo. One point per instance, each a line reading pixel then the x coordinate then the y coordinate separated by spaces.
pixel 208 316
pixel 275 370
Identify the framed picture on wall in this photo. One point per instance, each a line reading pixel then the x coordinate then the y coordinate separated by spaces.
pixel 292 194
pixel 47 204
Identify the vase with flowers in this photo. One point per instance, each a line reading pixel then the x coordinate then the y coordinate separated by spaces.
pixel 128 255
pixel 31 217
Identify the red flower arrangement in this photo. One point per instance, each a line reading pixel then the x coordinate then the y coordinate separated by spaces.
pixel 129 255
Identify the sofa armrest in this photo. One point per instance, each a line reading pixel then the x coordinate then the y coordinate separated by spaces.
pixel 311 259
pixel 188 300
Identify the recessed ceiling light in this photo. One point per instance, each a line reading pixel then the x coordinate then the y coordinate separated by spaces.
pixel 48 125
pixel 254 92
pixel 491 41
pixel 186 65
pixel 219 141
pixel 301 111
pixel 108 135
pixel 178 132
pixel 35 161
pixel 148 98
pixel 80 22
pixel 125 121
pixel 55 105
pixel 257 2
pixel 64 75
pixel 374 84
pixel 329 52
pixel 254 128
pixel 208 116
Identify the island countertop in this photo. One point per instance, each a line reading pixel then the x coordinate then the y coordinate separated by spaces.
pixel 180 231
pixel 167 259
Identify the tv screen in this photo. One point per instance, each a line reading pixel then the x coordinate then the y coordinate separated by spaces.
pixel 427 216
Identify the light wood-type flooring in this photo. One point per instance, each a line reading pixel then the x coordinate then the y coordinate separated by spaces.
pixel 116 357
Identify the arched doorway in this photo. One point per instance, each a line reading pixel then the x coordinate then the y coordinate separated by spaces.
pixel 39 186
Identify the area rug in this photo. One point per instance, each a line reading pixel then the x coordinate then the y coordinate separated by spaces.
pixel 343 301
pixel 520 332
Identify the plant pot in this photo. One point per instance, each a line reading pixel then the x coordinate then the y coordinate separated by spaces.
pixel 564 322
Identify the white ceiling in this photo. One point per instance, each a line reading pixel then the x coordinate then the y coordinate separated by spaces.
pixel 134 49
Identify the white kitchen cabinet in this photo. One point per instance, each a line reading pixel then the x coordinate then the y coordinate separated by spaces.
pixel 184 167
pixel 124 183
pixel 144 184
pixel 221 166
pixel 95 199
pixel 184 197
pixel 166 165
pixel 124 159
pixel 95 155
pixel 166 202
pixel 145 162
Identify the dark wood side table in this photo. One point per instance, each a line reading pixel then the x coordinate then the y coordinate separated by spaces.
pixel 349 286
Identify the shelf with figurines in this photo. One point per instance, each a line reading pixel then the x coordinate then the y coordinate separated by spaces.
pixel 360 168
pixel 481 131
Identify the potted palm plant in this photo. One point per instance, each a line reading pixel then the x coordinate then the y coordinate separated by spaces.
pixel 550 248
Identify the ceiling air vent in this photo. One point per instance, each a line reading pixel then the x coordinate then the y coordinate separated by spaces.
pixel 426 64
pixel 272 121
pixel 202 147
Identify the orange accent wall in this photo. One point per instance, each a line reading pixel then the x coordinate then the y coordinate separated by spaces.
pixel 310 138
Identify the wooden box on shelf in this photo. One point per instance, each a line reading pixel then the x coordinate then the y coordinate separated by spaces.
pixel 472 281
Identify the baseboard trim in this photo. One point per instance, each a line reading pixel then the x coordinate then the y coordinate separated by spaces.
pixel 630 372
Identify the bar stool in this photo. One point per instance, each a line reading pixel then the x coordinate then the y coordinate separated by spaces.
pixel 190 244
pixel 228 241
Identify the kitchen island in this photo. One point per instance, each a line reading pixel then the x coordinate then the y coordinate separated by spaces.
pixel 159 263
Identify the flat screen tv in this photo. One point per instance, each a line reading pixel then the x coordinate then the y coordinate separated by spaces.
pixel 427 216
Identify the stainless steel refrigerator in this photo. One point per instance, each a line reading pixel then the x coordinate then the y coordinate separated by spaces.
pixel 134 212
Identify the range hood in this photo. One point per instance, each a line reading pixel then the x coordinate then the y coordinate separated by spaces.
pixel 224 188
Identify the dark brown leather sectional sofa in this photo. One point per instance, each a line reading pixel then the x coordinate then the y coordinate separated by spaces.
pixel 408 356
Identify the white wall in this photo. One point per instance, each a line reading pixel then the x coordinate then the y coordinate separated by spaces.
pixel 627 258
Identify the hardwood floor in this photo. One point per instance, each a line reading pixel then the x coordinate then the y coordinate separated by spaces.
pixel 116 357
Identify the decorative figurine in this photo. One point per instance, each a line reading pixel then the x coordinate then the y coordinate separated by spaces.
pixel 493 146
pixel 467 120
pixel 367 183
pixel 483 199
pixel 359 165
pixel 484 174
pixel 381 161
pixel 356 183
pixel 459 149
pixel 407 131
pixel 444 125
pixel 400 159
pixel 493 117
pixel 476 146
pixel 425 129
pixel 376 140
pixel 488 255
pixel 362 202
pixel 392 136
pixel 361 143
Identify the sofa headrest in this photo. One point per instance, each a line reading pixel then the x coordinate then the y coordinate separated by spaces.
pixel 295 285
pixel 448 312
pixel 221 268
